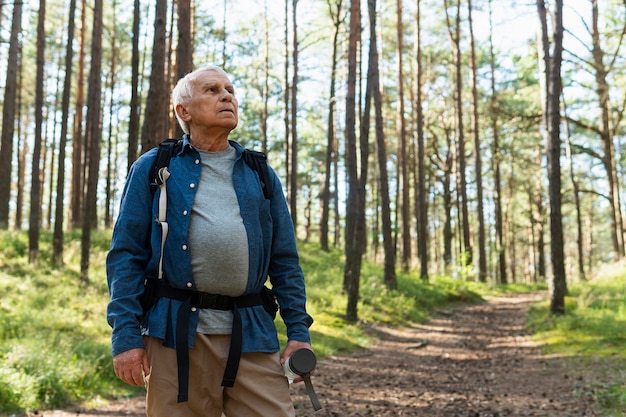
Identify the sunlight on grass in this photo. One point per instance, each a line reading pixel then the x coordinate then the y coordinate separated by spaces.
pixel 55 342
pixel 593 327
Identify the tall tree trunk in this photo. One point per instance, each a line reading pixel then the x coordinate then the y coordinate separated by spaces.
pixel 576 193
pixel 8 115
pixel 111 143
pixel 22 151
pixel 156 119
pixel 352 268
pixel 390 278
pixel 293 162
pixel 455 37
pixel 77 190
pixel 286 98
pixel 402 146
pixel 92 136
pixel 332 126
pixel 184 50
pixel 57 246
pixel 606 134
pixel 422 212
pixel 482 252
pixel 497 158
pixel 552 120
pixel 266 78
pixel 34 221
pixel 133 120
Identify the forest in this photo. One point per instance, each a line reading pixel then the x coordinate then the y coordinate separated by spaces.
pixel 477 139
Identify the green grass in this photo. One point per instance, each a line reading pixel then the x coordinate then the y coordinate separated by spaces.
pixel 55 342
pixel 593 330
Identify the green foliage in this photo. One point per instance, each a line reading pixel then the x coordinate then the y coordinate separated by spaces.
pixel 54 340
pixel 593 327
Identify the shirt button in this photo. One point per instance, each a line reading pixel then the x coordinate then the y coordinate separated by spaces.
pixel 189 284
pixel 193 309
pixel 197 161
pixel 192 185
pixel 185 212
pixel 184 247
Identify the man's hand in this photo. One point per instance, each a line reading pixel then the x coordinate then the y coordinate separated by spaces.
pixel 291 347
pixel 131 366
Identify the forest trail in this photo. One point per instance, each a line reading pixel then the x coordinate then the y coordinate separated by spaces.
pixel 469 361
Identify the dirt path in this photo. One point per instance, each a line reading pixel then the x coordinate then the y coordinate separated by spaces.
pixel 474 361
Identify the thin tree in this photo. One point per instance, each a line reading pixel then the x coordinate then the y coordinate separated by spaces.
pixel 8 115
pixel 354 247
pixel 111 141
pixel 607 129
pixel 266 78
pixel 455 38
pixel 373 78
pixel 293 153
pixel 403 164
pixel 65 104
pixel 482 253
pixel 92 139
pixel 421 209
pixel 335 11
pixel 76 189
pixel 576 193
pixel 156 120
pixel 287 99
pixel 496 159
pixel 133 120
pixel 184 49
pixel 34 222
pixel 552 121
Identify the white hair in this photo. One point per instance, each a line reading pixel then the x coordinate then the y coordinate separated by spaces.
pixel 183 92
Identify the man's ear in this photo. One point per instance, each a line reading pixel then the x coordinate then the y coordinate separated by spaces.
pixel 182 113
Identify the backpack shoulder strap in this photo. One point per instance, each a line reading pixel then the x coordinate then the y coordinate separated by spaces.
pixel 167 149
pixel 258 162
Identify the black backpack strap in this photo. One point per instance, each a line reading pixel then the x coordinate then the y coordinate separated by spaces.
pixel 258 162
pixel 167 149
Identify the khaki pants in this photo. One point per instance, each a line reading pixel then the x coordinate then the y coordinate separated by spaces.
pixel 261 389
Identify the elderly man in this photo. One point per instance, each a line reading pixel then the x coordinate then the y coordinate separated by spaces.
pixel 205 341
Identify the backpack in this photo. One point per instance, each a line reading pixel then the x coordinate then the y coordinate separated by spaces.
pixel 169 148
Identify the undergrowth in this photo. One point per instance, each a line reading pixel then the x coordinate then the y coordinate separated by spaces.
pixel 592 331
pixel 55 342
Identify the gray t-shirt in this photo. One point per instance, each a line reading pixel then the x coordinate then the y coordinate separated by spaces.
pixel 217 238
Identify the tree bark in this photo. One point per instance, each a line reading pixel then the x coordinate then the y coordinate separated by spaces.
pixel 135 105
pixel 293 154
pixel 184 50
pixel 78 167
pixel 92 136
pixel 390 277
pixel 552 120
pixel 455 37
pixel 402 146
pixel 496 160
pixel 8 115
pixel 156 118
pixel 482 252
pixel 331 134
pixel 65 105
pixel 352 268
pixel 422 212
pixel 34 222
pixel 606 135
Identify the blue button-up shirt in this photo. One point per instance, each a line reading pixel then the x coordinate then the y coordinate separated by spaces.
pixel 136 248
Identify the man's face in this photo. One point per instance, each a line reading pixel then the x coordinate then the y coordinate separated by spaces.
pixel 213 105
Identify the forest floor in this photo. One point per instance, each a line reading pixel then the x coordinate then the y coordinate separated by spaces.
pixel 468 361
